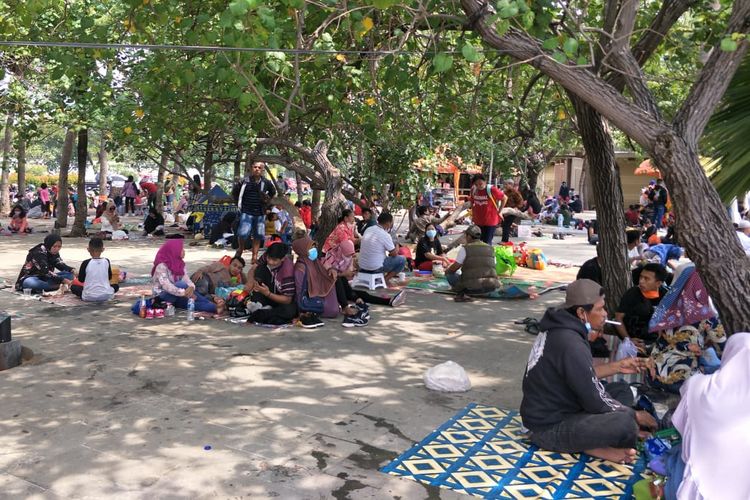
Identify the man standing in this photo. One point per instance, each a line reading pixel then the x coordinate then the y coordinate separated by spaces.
pixel 564 405
pixel 513 199
pixel 485 202
pixel 659 197
pixel 476 263
pixel 376 243
pixel 253 195
pixel 564 192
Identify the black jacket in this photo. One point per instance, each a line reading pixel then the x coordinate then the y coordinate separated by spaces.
pixel 560 380
pixel 42 264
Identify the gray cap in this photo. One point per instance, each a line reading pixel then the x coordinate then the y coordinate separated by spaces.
pixel 583 293
pixel 474 232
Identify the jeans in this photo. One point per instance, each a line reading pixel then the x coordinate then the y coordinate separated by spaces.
pixel 253 226
pixel 507 224
pixel 38 284
pixel 202 304
pixel 587 431
pixel 394 264
pixel 453 278
pixel 488 233
pixel 658 215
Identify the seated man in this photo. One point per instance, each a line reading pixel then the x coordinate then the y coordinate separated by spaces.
pixel 638 303
pixel 591 269
pixel 376 243
pixel 368 220
pixel 564 405
pixel 476 263
pixel 271 283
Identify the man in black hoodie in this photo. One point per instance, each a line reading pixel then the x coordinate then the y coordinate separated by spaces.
pixel 564 405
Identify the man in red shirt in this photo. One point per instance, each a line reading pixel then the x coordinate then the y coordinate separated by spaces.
pixel 150 188
pixel 485 202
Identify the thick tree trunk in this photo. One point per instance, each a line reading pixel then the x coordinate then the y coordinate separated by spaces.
pixel 62 180
pixel 208 166
pixel 333 203
pixel 103 165
pixel 610 214
pixel 5 176
pixel 21 157
pixel 300 191
pixel 163 162
pixel 316 203
pixel 706 232
pixel 79 225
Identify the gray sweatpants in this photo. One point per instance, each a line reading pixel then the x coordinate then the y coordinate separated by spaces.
pixel 586 431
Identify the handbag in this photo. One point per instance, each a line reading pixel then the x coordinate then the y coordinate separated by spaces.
pixel 307 303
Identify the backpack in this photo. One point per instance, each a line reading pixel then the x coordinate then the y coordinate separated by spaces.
pixel 310 304
pixel 237 304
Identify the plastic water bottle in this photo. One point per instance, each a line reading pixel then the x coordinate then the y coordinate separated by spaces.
pixel 191 310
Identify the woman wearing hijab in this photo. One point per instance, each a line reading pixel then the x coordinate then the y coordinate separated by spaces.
pixel 154 223
pixel 338 262
pixel 315 286
pixel 713 419
pixel 170 281
pixel 38 272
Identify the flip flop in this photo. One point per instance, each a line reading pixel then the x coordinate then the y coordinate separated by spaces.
pixel 525 321
pixel 532 328
pixel 462 298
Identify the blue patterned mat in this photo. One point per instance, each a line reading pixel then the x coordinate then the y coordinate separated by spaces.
pixel 482 452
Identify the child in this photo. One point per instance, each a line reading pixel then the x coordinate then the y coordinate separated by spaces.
pixel 95 274
pixel 18 222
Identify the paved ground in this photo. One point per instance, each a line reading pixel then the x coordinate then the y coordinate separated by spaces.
pixel 117 407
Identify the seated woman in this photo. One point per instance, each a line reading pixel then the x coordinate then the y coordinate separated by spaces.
pixel 38 273
pixel 688 328
pixel 18 222
pixel 345 230
pixel 271 284
pixel 153 225
pixel 315 286
pixel 429 250
pixel 110 220
pixel 419 225
pixel 170 282
pixel 338 262
pixel 712 419
pixel 212 276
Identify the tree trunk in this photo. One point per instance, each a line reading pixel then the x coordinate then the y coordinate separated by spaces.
pixel 332 205
pixel 21 156
pixel 316 204
pixel 5 176
pixel 103 165
pixel 79 225
pixel 62 180
pixel 300 191
pixel 719 259
pixel 163 162
pixel 208 166
pixel 610 214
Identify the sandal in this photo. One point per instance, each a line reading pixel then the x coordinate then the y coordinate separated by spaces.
pixel 532 328
pixel 525 321
pixel 462 298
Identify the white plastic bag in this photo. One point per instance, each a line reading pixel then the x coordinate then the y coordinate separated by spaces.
pixel 626 349
pixel 119 235
pixel 447 377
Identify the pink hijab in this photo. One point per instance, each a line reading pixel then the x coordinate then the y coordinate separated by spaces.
pixel 713 418
pixel 339 258
pixel 170 253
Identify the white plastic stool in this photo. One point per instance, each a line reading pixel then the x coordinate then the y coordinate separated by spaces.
pixel 371 280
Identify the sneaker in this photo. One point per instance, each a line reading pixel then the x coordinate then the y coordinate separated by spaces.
pixel 357 321
pixel 364 309
pixel 398 299
pixel 310 321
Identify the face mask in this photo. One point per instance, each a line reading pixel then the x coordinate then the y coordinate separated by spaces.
pixel 312 254
pixel 431 233
pixel 587 325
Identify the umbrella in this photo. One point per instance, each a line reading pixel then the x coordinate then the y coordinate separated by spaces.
pixel 647 168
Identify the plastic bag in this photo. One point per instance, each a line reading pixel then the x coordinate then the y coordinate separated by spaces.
pixel 626 349
pixel 505 261
pixel 447 377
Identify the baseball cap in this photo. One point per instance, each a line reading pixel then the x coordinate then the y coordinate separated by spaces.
pixel 582 293
pixel 743 224
pixel 474 232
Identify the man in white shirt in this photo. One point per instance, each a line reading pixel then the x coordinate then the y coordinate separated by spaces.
pixel 743 233
pixel 376 243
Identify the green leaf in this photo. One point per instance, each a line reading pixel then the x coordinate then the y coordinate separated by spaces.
pixel 442 62
pixel 246 99
pixel 570 46
pixel 728 45
pixel 550 43
pixel 471 53
pixel 188 76
pixel 383 4
pixel 87 22
pixel 509 11
pixel 559 57
pixel 239 7
pixel 528 20
pixel 582 61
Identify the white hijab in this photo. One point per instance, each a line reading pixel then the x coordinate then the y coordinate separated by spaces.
pixel 714 420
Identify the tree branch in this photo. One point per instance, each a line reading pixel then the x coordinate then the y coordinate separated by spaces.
pixel 714 79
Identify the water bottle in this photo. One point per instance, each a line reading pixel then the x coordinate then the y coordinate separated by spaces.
pixel 191 309
pixel 142 307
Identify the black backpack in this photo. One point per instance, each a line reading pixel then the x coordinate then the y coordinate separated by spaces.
pixel 237 306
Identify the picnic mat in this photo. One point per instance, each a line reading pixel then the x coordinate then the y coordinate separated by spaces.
pixel 482 452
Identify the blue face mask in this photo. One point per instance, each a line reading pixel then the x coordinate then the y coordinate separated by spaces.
pixel 587 325
pixel 431 233
pixel 312 254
